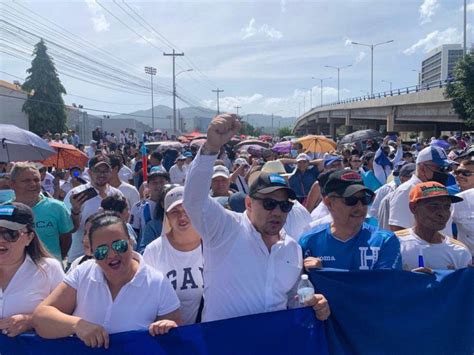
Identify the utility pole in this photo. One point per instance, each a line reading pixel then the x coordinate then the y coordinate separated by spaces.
pixel 338 81
pixel 218 91
pixel 465 28
pixel 152 72
pixel 372 46
pixel 321 86
pixel 237 108
pixel 174 55
pixel 273 133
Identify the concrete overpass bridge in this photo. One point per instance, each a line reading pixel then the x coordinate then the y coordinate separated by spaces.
pixel 425 111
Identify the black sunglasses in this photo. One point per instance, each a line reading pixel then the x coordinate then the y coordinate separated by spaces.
pixel 353 200
pixel 11 236
pixel 462 172
pixel 270 204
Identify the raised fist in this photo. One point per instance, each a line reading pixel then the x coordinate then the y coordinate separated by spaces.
pixel 221 129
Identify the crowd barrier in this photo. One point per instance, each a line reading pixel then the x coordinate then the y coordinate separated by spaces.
pixel 373 312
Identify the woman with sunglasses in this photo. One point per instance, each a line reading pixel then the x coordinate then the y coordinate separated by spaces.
pixel 116 292
pixel 178 255
pixel 28 274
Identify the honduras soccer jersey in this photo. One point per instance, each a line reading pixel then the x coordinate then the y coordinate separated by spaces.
pixel 371 248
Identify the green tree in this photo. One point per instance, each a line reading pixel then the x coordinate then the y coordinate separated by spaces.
pixel 461 90
pixel 247 129
pixel 285 131
pixel 45 105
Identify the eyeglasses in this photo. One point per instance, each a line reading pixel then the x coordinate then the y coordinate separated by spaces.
pixel 11 236
pixel 463 172
pixel 270 204
pixel 120 246
pixel 353 200
pixel 101 172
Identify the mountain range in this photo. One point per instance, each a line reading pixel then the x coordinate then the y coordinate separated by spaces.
pixel 164 114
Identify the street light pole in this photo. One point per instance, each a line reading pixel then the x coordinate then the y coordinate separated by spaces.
pixel 372 46
pixel 388 82
pixel 338 77
pixel 152 72
pixel 321 86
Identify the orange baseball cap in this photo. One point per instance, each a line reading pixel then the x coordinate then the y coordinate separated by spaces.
pixel 431 189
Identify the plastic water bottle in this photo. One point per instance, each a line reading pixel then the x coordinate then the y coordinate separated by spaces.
pixel 305 289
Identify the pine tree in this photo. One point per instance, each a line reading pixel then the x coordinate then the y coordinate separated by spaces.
pixel 45 105
pixel 461 90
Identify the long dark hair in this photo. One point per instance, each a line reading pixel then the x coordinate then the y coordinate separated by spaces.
pixel 35 249
pixel 104 219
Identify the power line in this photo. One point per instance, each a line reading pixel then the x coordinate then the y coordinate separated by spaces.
pixel 84 108
pixel 84 97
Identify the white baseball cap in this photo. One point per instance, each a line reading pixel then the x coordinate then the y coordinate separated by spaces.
pixel 220 170
pixel 173 198
pixel 302 156
pixel 435 154
pixel 241 161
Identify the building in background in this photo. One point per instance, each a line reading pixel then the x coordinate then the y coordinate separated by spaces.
pixel 12 98
pixel 439 63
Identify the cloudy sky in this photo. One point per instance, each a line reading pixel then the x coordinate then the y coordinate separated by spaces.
pixel 263 54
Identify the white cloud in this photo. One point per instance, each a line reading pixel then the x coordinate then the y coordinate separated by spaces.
pixel 283 6
pixel 470 7
pixel 427 10
pixel 360 57
pixel 347 42
pixel 435 39
pixel 264 30
pixel 285 105
pixel 98 18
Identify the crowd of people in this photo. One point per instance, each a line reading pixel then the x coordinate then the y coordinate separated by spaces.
pixel 157 239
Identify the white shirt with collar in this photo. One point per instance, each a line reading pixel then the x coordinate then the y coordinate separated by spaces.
pixel 88 208
pixel 241 275
pixel 30 285
pixel 139 302
pixel 400 214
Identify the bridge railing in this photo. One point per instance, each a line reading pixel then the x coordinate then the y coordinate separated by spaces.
pixel 394 92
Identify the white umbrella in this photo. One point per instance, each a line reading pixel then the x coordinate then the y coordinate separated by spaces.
pixel 17 144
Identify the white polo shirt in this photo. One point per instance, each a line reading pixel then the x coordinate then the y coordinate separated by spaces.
pixel 463 216
pixel 88 208
pixel 400 214
pixel 140 301
pixel 449 254
pixel 30 285
pixel 184 270
pixel 241 276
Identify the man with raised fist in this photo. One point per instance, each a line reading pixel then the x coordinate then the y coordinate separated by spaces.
pixel 250 265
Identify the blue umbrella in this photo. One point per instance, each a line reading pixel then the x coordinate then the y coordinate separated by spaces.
pixel 17 144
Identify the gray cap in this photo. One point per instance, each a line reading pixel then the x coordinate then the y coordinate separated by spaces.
pixel 407 170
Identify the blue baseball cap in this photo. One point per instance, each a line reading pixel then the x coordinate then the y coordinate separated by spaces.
pixel 331 159
pixel 435 154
